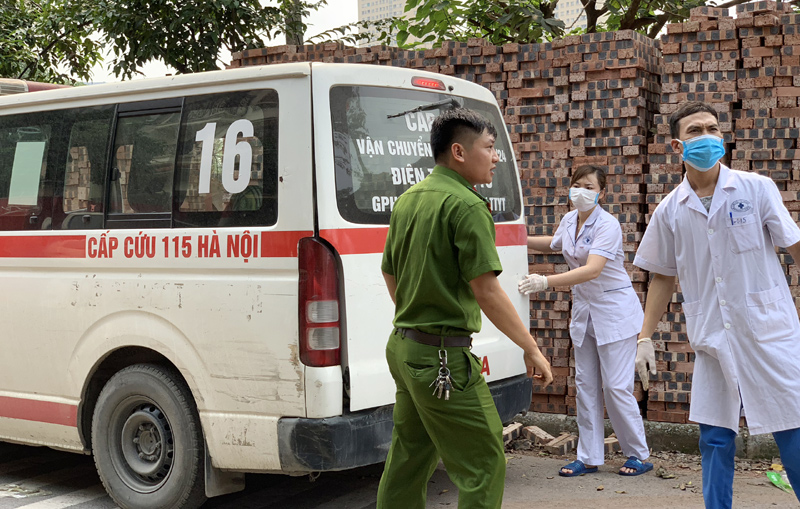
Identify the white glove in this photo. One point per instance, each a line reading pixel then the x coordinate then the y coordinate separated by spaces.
pixel 533 283
pixel 645 356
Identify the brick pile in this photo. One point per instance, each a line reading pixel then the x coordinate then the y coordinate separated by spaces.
pixel 603 99
pixel 614 90
pixel 538 104
pixel 768 79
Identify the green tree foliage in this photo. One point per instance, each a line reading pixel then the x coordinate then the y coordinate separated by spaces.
pixel 497 21
pixel 503 21
pixel 436 21
pixel 60 40
pixel 46 40
pixel 646 16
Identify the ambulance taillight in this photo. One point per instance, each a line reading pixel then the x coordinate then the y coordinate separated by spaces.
pixel 319 304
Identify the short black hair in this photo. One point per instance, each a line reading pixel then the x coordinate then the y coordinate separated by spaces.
pixel 590 169
pixel 455 126
pixel 686 109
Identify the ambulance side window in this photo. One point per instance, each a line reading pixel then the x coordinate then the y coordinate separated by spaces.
pixel 25 189
pixel 228 160
pixel 84 180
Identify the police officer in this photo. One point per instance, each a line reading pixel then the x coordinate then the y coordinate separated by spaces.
pixel 441 265
pixel 716 232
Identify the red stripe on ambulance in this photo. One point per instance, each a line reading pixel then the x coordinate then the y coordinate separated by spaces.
pixel 281 244
pixel 350 241
pixel 39 411
pixel 43 246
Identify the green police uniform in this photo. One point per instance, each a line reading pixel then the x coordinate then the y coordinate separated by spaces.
pixel 441 237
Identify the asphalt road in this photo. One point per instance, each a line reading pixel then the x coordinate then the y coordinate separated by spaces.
pixel 46 479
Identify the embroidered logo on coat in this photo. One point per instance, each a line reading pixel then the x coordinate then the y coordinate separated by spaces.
pixel 741 206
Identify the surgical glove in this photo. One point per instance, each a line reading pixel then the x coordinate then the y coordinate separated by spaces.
pixel 533 283
pixel 645 360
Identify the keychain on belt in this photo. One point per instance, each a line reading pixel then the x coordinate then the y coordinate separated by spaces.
pixel 442 383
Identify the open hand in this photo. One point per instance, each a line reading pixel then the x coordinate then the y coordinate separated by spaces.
pixel 533 283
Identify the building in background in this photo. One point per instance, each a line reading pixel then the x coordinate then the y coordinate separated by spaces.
pixel 571 13
pixel 374 10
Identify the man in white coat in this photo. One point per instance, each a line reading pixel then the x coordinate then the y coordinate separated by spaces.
pixel 717 233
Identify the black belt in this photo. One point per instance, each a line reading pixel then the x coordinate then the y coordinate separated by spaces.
pixel 434 340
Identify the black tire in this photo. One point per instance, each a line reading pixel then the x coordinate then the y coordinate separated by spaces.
pixel 147 442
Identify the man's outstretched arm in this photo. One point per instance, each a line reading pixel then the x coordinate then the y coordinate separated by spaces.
pixel 501 312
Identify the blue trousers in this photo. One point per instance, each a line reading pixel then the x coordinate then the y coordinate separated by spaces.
pixel 718 449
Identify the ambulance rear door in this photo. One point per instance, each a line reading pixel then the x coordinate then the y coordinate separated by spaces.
pixel 369 148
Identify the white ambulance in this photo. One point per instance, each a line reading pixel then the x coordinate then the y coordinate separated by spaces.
pixel 191 267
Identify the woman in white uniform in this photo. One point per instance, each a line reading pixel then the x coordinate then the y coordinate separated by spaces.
pixel 606 319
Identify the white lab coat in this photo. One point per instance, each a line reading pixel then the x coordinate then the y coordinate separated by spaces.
pixel 740 316
pixel 609 299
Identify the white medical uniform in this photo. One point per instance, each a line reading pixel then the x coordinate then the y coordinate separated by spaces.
pixel 740 316
pixel 606 318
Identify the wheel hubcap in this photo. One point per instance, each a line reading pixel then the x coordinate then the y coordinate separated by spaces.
pixel 147 447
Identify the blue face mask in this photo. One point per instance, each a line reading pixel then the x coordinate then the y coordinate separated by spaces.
pixel 703 152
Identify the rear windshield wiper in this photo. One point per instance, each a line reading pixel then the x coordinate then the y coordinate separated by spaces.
pixel 432 106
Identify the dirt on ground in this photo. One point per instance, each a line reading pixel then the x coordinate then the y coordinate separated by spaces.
pixel 675 482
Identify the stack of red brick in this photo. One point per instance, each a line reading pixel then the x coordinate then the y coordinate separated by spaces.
pixel 594 99
pixel 614 90
pixel 539 103
pixel 585 100
pixel 768 86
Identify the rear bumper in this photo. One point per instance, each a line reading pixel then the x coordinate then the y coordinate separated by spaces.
pixel 363 438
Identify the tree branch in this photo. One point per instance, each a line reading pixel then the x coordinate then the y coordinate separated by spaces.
pixel 630 15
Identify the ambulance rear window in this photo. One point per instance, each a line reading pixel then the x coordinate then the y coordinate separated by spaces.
pixel 377 158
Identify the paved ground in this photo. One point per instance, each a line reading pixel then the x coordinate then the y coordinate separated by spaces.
pixel 533 479
pixel 56 480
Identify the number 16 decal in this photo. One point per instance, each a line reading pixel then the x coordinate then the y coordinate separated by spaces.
pixel 232 149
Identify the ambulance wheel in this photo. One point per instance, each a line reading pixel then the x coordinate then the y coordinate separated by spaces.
pixel 147 442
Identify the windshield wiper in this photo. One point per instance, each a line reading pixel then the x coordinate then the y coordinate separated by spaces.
pixel 425 107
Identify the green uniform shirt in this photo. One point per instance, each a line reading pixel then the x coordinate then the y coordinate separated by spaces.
pixel 441 236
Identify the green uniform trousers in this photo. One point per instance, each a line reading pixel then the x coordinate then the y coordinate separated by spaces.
pixel 465 431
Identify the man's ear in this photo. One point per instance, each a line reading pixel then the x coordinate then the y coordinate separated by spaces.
pixel 677 146
pixel 457 152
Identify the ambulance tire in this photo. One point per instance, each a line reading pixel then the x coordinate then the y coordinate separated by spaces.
pixel 147 441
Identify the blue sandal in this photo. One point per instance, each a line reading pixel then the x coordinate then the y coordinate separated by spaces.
pixel 578 468
pixel 636 464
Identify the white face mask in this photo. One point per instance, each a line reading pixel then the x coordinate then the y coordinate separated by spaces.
pixel 583 199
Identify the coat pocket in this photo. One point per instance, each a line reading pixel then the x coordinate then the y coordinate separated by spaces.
pixel 745 234
pixel 771 315
pixel 693 312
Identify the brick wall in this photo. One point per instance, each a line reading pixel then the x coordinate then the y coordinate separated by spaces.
pixel 605 99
